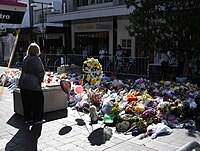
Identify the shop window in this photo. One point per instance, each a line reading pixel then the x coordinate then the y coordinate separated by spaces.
pixel 106 1
pixel 126 45
pixel 82 2
pixel 91 2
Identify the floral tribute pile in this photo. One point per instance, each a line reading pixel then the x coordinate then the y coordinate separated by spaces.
pixel 92 71
pixel 135 106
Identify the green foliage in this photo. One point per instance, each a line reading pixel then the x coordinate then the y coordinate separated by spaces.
pixel 165 24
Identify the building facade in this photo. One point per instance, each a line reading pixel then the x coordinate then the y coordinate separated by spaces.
pixel 95 25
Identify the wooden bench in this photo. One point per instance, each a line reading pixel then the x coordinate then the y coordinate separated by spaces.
pixel 54 99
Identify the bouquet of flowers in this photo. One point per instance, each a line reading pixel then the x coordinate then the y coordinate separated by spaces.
pixel 95 97
pixel 92 71
pixel 51 77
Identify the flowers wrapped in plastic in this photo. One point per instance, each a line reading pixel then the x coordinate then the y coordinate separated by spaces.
pixel 95 97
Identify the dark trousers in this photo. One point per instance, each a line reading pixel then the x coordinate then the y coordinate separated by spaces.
pixel 180 68
pixel 33 104
pixel 164 68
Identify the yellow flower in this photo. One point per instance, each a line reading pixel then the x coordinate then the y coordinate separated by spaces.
pixel 98 81
pixel 93 81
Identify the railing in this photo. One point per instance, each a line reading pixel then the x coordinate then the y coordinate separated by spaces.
pixel 125 66
pixel 121 67
pixel 52 61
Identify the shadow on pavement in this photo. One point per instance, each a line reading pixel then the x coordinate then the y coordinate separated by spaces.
pixel 54 115
pixel 100 136
pixel 65 130
pixel 16 121
pixel 26 137
pixel 80 122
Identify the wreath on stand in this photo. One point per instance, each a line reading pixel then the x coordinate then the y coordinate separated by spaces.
pixel 92 71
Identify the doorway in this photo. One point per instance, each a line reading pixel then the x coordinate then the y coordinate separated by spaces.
pixel 92 41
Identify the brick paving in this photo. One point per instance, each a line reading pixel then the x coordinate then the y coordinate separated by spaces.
pixel 72 132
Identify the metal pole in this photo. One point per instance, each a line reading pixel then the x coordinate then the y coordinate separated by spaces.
pixel 43 17
pixel 43 25
pixel 31 20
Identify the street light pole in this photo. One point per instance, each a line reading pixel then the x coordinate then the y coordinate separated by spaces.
pixel 43 30
pixel 43 34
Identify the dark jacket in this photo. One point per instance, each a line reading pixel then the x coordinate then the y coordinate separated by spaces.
pixel 32 73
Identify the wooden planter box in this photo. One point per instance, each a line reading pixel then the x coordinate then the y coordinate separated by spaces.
pixel 54 99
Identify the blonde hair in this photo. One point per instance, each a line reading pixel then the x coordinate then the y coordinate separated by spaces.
pixel 33 49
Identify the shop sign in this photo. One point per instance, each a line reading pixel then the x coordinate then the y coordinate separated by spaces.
pixel 97 26
pixel 101 26
pixel 12 17
pixel 52 36
pixel 86 27
pixel 6 17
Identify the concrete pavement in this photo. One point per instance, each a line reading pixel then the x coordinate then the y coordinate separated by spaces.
pixel 73 133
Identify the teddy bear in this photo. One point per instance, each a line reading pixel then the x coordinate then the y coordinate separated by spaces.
pixel 93 114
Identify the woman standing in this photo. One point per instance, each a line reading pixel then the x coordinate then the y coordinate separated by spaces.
pixel 30 85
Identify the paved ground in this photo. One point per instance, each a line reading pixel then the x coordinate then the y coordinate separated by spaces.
pixel 73 133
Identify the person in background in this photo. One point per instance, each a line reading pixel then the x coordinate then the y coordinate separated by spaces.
pixel 102 56
pixel 181 60
pixel 84 53
pixel 30 85
pixel 119 53
pixel 173 60
pixel 119 58
pixel 164 61
pixel 73 51
pixel 126 58
pixel 72 56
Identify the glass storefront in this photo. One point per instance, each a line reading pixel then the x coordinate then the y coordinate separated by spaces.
pixel 92 42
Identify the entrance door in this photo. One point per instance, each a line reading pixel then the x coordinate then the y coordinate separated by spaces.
pixel 92 41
